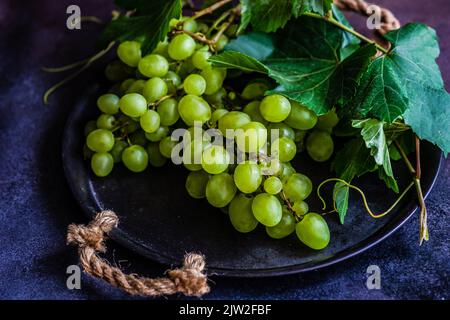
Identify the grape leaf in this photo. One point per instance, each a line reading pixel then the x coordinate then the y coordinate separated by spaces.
pixel 237 60
pixel 406 141
pixel 340 196
pixel 384 91
pixel 307 68
pixel 152 24
pixel 350 43
pixel 388 180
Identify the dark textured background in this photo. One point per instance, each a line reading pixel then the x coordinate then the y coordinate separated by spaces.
pixel 36 205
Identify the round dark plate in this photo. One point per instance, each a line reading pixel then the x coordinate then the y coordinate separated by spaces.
pixel 161 222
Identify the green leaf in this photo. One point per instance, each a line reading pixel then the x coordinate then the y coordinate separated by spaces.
pixel 384 90
pixel 389 180
pixel 340 196
pixel 153 24
pixel 237 60
pixel 350 43
pixel 406 141
pixel 318 6
pixel 429 116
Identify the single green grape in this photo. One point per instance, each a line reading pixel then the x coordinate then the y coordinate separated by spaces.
pixel 200 59
pixel 286 171
pixel 252 109
pixel 150 121
pixel 273 185
pixel 135 158
pixel 154 89
pixel 155 158
pixel 108 103
pixel 126 84
pixel 202 27
pixel 216 99
pixel 313 231
pixel 221 43
pixel 280 130
pixel 297 187
pixel 89 127
pixel 196 184
pixel 117 71
pixel 231 121
pixel 193 108
pixel 285 227
pixel 319 145
pixel 106 121
pixel 214 79
pixel 128 125
pixel 275 108
pixel 172 77
pixel 116 151
pixel 254 90
pixel 215 159
pixel 300 135
pixel 190 25
pixel 102 164
pixel 138 137
pixel 217 114
pixel 181 47
pixel 284 149
pixel 162 48
pixel 166 145
pixel 100 140
pixel 220 190
pixel 267 209
pixel 301 117
pixel 194 84
pixel 328 120
pixel 247 177
pixel 129 52
pixel 156 136
pixel 133 104
pixel 300 208
pixel 251 137
pixel 136 87
pixel 153 65
pixel 168 112
pixel 241 214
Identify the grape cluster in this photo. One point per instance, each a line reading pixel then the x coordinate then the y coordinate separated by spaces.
pixel 176 87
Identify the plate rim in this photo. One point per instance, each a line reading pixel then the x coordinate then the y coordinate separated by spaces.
pixel 125 240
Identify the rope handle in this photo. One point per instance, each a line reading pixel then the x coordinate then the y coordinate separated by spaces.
pixel 190 279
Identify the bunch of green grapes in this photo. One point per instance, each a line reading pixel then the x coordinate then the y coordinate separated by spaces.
pixel 175 87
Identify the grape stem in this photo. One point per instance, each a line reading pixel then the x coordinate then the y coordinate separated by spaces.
pixel 210 9
pixel 363 196
pixel 289 206
pixel 224 27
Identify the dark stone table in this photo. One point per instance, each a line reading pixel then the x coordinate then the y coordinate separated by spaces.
pixel 36 205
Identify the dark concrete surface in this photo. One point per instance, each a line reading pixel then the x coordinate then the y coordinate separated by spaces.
pixel 36 205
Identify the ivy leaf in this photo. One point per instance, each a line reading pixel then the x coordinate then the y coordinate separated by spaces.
pixel 384 90
pixel 307 68
pixel 152 24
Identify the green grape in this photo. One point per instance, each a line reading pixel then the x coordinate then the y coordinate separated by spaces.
pixel 216 98
pixel 138 137
pixel 168 112
pixel 247 177
pixel 196 184
pixel 300 208
pixel 106 121
pixel 273 185
pixel 162 49
pixel 150 121
pixel 328 120
pixel 173 22
pixel 126 84
pixel 154 89
pixel 221 43
pixel 220 190
pixel 252 109
pixel 190 25
pixel 319 145
pixel 284 149
pixel 299 135
pixel 192 108
pixel 192 155
pixel 285 227
pixel 252 137
pixel 153 65
pixel 156 136
pixel 102 163
pixel 254 90
pixel 231 121
pixel 136 87
pixel 272 167
pixel 194 84
pixel 267 209
pixel 155 158
pixel 241 215
pixel 301 117
pixel 100 140
pixel 215 159
pixel 129 52
pixel 108 103
pixel 186 68
pixel 275 108
pixel 117 71
pixel 313 231
pixel 297 187
pixel 283 131
pixel 87 153
pixel 166 145
pixel 135 158
pixel 116 151
pixel 133 104
pixel 217 114
pixel 194 133
pixel 214 79
pixel 181 47
pixel 200 59
pixel 202 27
pixel 89 127
pixel 172 77
pixel 232 30
pixel 286 171
pixel 129 124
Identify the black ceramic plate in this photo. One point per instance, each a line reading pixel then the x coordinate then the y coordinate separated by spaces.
pixel 160 221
